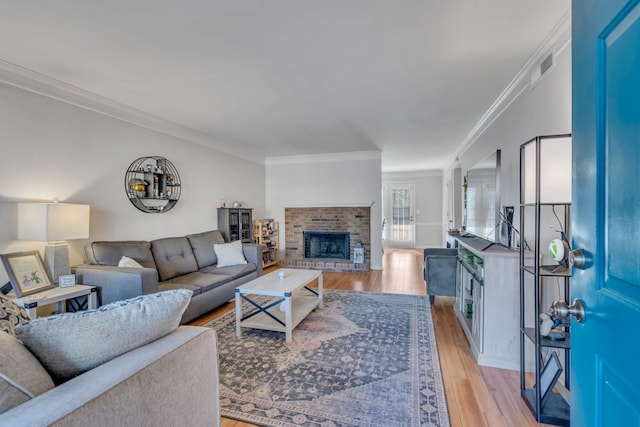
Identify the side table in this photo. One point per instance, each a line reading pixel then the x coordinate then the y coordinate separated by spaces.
pixel 56 295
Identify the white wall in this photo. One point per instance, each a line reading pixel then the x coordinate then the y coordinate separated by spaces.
pixel 544 109
pixel 428 204
pixel 347 179
pixel 53 149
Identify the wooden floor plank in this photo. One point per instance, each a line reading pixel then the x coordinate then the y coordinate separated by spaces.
pixel 476 396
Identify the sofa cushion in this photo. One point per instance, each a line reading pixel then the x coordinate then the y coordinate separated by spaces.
pixel 11 315
pixel 202 245
pixel 169 286
pixel 22 377
pixel 229 253
pixel 110 253
pixel 174 257
pixel 234 271
pixel 69 344
pixel 202 280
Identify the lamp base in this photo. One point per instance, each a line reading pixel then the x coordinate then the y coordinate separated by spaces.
pixel 56 258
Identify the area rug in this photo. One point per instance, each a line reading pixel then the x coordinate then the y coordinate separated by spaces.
pixel 364 359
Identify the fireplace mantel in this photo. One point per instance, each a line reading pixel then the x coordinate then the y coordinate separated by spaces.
pixel 330 205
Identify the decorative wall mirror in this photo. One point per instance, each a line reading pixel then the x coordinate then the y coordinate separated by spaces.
pixel 152 184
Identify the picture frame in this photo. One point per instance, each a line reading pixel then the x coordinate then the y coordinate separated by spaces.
pixel 549 376
pixel 67 281
pixel 26 272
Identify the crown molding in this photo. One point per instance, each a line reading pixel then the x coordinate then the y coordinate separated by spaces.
pixel 412 174
pixel 31 81
pixel 558 39
pixel 324 158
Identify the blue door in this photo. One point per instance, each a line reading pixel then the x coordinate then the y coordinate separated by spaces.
pixel 605 381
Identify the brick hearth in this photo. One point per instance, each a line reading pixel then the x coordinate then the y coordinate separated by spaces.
pixel 355 220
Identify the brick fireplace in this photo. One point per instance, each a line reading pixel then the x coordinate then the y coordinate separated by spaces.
pixel 352 224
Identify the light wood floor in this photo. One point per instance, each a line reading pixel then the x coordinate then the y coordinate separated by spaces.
pixel 477 396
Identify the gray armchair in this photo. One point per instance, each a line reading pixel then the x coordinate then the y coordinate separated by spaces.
pixel 440 272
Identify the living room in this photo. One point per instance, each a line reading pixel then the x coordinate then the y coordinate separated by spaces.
pixel 79 156
pixel 63 142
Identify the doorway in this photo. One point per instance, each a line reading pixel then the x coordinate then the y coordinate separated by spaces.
pixel 399 225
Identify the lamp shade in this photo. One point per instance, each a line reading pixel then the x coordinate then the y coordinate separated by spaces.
pixel 49 222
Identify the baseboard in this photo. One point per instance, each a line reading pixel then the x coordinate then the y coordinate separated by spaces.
pixel 498 362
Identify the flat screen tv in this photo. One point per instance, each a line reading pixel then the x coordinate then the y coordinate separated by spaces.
pixel 483 198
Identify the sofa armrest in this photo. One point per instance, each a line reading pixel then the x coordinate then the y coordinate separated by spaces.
pixel 141 387
pixel 253 254
pixel 117 283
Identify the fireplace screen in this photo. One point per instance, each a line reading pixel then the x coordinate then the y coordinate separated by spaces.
pixel 326 244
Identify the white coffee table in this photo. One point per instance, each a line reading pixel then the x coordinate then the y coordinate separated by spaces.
pixel 294 301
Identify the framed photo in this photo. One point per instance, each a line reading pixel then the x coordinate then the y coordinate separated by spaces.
pixel 26 272
pixel 549 376
pixel 67 281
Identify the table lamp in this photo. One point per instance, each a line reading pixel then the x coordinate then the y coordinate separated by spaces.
pixel 54 223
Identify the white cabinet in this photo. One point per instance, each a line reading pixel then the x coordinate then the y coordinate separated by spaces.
pixel 487 304
pixel 470 288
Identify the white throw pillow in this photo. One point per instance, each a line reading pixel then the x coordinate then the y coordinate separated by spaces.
pixel 125 261
pixel 22 377
pixel 229 253
pixel 69 344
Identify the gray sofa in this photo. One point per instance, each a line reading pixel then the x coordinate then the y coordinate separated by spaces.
pixel 440 271
pixel 139 388
pixel 171 263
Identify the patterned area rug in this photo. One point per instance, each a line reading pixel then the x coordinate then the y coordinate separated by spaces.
pixel 365 359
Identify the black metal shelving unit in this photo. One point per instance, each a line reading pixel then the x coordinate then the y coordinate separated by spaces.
pixel 535 280
pixel 152 184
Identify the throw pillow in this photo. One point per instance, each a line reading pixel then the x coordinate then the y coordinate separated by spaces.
pixel 11 315
pixel 229 253
pixel 69 344
pixel 22 377
pixel 125 261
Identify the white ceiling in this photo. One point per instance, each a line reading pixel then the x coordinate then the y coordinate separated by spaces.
pixel 271 78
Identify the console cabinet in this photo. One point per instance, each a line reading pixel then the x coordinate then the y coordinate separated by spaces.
pixel 487 306
pixel 235 224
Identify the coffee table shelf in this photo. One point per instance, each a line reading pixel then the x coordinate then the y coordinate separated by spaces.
pixel 302 305
pixel 292 303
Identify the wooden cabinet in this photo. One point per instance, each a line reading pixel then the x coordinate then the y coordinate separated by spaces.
pixel 265 233
pixel 235 224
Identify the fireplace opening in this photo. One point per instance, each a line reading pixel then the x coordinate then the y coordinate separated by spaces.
pixel 327 244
